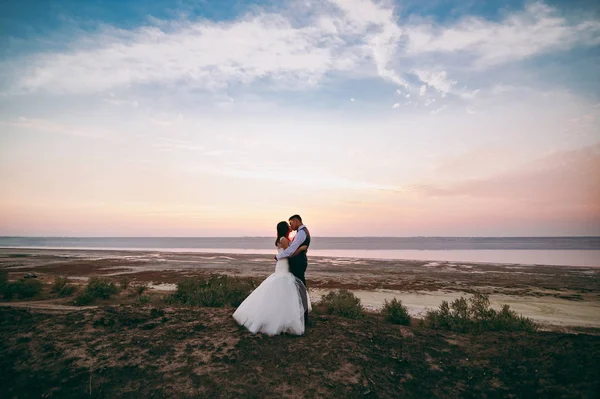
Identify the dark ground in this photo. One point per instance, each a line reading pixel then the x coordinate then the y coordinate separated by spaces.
pixel 148 352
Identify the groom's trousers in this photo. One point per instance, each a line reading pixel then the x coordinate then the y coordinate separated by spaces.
pixel 298 269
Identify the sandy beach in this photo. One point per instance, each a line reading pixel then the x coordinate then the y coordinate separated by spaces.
pixel 558 297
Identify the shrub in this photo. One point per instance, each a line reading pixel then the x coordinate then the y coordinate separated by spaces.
pixel 156 312
pixel 3 279
pixel 101 288
pixel 22 289
pixel 83 299
pixel 97 288
pixel 65 291
pixel 143 299
pixel 342 303
pixel 59 283
pixel 124 282
pixel 140 289
pixel 61 287
pixel 474 314
pixel 217 291
pixel 396 312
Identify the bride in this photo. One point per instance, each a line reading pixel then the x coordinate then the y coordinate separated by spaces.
pixel 277 304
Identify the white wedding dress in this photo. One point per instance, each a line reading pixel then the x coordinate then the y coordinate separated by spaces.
pixel 275 306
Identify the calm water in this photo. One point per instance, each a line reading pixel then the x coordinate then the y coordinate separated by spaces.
pixel 575 251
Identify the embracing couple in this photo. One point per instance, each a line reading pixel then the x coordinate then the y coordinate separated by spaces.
pixel 280 304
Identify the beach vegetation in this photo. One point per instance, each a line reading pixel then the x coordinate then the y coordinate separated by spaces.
pixel 474 314
pixel 21 288
pixel 124 283
pixel 3 280
pixel 341 303
pixel 215 291
pixel 140 289
pixel 62 288
pixel 395 312
pixel 97 288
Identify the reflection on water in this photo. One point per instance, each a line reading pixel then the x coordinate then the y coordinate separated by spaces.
pixel 588 258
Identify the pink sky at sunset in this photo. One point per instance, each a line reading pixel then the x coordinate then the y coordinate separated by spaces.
pixel 364 120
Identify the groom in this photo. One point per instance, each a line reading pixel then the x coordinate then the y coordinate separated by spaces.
pixel 298 262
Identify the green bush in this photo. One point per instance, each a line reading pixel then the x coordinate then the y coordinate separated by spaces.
pixel 97 288
pixel 141 288
pixel 217 291
pixel 65 291
pixel 22 289
pixel 61 287
pixel 143 299
pixel 396 312
pixel 3 280
pixel 474 314
pixel 342 303
pixel 83 299
pixel 124 282
pixel 101 288
pixel 59 283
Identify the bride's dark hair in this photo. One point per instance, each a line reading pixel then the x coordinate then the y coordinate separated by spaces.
pixel 283 230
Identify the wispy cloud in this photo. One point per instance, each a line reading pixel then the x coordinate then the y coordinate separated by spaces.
pixel 565 178
pixel 169 144
pixel 53 127
pixel 537 29
pixel 267 47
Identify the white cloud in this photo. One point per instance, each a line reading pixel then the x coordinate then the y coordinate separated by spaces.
pixel 436 79
pixel 283 50
pixel 169 144
pixel 537 29
pixel 202 54
pixel 440 109
pixel 118 102
pixel 397 105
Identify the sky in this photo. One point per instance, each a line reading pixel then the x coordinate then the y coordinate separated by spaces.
pixel 368 118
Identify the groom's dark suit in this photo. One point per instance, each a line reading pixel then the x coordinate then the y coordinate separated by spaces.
pixel 299 262
pixel 298 266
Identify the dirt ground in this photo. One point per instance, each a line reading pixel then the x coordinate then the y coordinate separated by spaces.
pixel 119 348
pixel 148 352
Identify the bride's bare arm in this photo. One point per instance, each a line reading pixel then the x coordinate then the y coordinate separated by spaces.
pixel 284 242
pixel 300 249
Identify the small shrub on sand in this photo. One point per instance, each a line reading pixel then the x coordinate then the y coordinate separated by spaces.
pixel 474 314
pixel 97 288
pixel 124 283
pixel 22 289
pixel 342 303
pixel 61 287
pixel 101 288
pixel 143 299
pixel 395 312
pixel 140 289
pixel 217 291
pixel 83 299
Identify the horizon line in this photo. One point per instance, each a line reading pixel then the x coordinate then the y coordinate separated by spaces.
pixel 508 236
